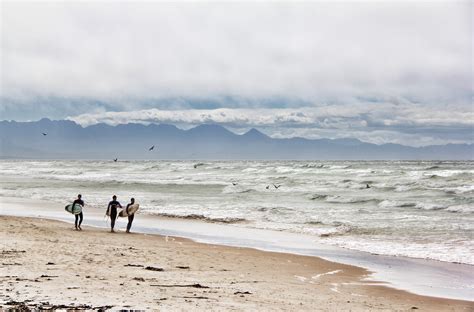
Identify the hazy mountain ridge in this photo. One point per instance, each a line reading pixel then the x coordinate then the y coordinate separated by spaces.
pixel 68 140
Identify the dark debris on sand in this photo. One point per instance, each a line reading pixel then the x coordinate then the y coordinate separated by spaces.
pixel 133 265
pixel 242 293
pixel 178 285
pixel 46 306
pixel 182 267
pixel 150 268
pixel 139 279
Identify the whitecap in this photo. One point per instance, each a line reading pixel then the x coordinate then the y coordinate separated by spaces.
pixel 461 208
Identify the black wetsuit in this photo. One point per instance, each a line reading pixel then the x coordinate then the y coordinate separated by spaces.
pixel 130 219
pixel 113 212
pixel 80 216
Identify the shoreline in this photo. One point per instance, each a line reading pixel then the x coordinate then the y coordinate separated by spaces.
pixel 417 276
pixel 238 278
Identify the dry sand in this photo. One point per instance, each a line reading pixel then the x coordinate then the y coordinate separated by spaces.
pixel 46 263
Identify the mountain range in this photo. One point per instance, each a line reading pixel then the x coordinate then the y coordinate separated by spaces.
pixel 65 139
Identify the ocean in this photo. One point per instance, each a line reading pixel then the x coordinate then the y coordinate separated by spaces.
pixel 417 209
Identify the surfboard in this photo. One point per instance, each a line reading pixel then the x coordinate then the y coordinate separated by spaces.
pixel 77 209
pixel 131 210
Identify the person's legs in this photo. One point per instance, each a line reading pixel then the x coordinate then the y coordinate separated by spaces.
pixel 77 219
pixel 113 216
pixel 130 220
pixel 81 217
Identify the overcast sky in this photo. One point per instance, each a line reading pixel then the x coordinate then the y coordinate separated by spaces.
pixel 379 71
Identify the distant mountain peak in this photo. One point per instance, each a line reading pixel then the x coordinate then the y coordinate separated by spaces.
pixel 211 130
pixel 209 127
pixel 254 133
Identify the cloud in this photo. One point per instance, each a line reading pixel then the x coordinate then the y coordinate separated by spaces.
pixel 379 71
pixel 313 50
pixel 370 122
pixel 388 115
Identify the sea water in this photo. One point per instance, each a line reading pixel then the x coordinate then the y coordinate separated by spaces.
pixel 418 209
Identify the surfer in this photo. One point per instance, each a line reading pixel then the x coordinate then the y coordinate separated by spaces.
pixel 130 216
pixel 80 216
pixel 112 208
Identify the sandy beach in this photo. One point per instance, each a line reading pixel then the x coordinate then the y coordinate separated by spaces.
pixel 47 264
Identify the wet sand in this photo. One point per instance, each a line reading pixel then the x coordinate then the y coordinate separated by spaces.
pixel 47 263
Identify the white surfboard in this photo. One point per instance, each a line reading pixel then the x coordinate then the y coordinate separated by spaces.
pixel 131 210
pixel 77 209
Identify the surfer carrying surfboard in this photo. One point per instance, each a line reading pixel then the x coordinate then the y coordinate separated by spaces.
pixel 79 216
pixel 112 211
pixel 130 215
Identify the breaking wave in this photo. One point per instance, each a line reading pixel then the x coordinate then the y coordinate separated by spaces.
pixel 349 200
pixel 391 204
pixel 227 220
pixel 461 208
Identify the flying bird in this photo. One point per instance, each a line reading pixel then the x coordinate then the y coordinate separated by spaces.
pixel 276 186
pixel 45 134
pixel 115 159
pixel 151 148
pixel 234 183
pixel 268 186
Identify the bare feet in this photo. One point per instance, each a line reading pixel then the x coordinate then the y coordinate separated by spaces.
pixel 112 231
pixel 79 228
pixel 127 231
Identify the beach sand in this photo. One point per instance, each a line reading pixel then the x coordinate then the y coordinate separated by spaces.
pixel 47 263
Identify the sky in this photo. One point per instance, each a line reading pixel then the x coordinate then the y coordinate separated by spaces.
pixel 382 72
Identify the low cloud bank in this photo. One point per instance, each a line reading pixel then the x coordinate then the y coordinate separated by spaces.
pixel 371 122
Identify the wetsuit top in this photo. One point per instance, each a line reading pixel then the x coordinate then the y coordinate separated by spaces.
pixel 79 201
pixel 113 204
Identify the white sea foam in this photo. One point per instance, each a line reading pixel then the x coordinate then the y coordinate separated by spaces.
pixel 317 276
pixel 430 206
pixel 460 189
pixel 461 208
pixel 451 251
pixel 403 188
pixel 394 203
pixel 326 231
